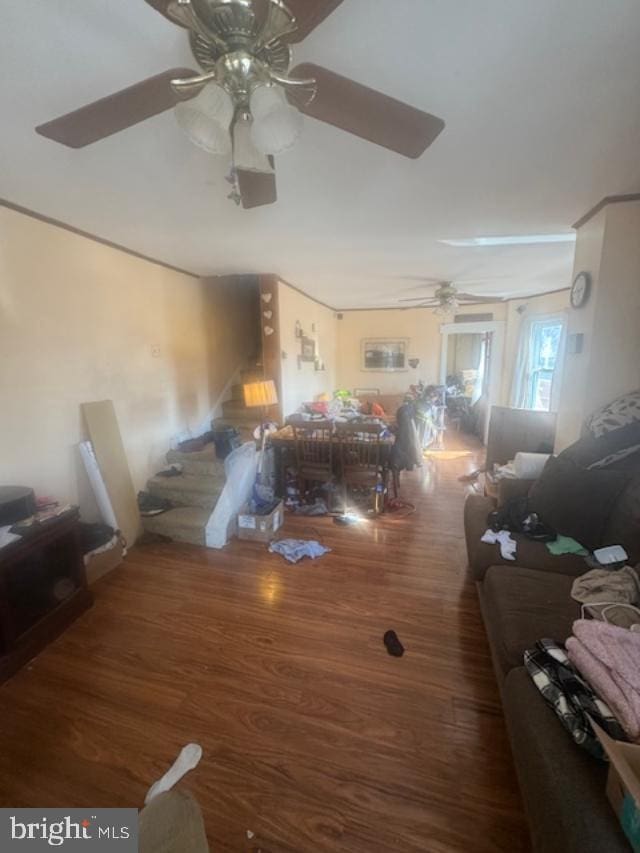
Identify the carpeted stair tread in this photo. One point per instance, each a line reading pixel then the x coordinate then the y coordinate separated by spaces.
pixel 188 489
pixel 183 524
pixel 201 463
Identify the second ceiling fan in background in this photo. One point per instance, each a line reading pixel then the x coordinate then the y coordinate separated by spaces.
pixel 246 99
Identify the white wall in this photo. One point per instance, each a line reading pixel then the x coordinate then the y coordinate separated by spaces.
pixel 302 382
pixel 420 325
pixel 608 247
pixel 80 321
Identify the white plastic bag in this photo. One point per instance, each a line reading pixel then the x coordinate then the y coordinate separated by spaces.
pixel 240 467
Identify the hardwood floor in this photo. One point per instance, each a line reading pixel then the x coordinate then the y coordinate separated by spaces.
pixel 314 738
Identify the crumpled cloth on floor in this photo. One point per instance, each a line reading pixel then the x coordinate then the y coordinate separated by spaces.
pixel 610 595
pixel 503 538
pixel 294 550
pixel 566 545
pixel 609 659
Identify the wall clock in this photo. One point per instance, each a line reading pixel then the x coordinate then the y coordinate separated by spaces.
pixel 580 290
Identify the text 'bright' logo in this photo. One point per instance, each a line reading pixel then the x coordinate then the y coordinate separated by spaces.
pixel 57 832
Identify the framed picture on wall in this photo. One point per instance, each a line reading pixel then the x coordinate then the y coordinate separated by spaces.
pixel 384 355
pixel 307 349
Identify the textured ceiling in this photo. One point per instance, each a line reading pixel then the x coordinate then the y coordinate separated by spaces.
pixel 543 120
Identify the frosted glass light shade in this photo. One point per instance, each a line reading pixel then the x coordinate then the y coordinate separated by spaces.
pixel 206 119
pixel 276 124
pixel 245 154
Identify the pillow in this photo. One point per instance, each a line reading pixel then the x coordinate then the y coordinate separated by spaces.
pixel 575 501
pixel 606 449
pixel 621 412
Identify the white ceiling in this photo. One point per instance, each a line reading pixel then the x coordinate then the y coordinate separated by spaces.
pixel 540 99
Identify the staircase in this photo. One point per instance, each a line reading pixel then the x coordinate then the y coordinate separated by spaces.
pixel 195 492
pixel 234 411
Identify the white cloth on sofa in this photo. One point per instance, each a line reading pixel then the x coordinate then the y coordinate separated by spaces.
pixel 503 538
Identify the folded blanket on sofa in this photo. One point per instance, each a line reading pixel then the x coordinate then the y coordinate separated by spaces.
pixel 570 697
pixel 609 659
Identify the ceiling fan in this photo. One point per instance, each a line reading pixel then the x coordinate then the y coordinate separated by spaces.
pixel 447 298
pixel 246 99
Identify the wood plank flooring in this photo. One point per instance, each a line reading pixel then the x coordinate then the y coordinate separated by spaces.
pixel 314 738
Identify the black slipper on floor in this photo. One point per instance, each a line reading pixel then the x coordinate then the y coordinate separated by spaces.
pixel 393 644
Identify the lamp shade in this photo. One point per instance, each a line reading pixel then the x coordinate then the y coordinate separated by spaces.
pixel 260 394
pixel 245 154
pixel 206 119
pixel 276 124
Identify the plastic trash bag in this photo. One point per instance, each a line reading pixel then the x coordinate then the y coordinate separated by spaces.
pixel 240 467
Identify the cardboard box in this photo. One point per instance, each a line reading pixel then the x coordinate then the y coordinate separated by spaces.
pixel 260 528
pixel 623 783
pixel 100 564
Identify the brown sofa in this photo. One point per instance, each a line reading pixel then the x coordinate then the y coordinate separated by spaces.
pixel 563 788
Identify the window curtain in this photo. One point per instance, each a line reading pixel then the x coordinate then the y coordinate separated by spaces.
pixel 524 363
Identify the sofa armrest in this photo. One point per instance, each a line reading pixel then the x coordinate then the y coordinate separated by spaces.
pixel 509 489
pixel 479 554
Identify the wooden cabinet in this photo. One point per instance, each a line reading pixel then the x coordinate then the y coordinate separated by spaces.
pixel 43 588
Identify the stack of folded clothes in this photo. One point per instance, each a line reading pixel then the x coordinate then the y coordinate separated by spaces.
pixel 596 675
pixel 608 657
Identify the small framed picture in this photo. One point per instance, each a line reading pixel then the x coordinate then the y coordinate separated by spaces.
pixel 307 349
pixel 384 355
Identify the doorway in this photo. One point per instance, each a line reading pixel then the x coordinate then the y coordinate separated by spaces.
pixel 471 365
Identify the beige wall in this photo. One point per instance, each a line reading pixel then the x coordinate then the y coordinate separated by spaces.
pixel 80 321
pixel 303 383
pixel 547 303
pixel 608 247
pixel 420 325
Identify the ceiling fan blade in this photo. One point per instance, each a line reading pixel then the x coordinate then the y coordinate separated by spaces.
pixel 472 297
pixel 162 6
pixel 416 299
pixel 309 14
pixel 116 112
pixel 257 188
pixel 367 113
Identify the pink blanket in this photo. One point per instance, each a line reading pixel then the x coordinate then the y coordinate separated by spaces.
pixel 609 659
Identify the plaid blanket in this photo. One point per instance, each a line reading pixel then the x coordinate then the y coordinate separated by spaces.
pixel 569 695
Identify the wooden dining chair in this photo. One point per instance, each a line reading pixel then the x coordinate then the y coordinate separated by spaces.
pixel 314 452
pixel 361 458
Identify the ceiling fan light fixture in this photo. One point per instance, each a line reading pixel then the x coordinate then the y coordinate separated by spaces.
pixel 206 119
pixel 446 309
pixel 277 125
pixel 246 156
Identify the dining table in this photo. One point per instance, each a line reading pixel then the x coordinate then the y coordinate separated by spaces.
pixel 283 442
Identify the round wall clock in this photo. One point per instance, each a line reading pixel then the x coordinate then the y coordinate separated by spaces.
pixel 580 289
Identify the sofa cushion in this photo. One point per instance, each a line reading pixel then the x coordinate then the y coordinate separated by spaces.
pixel 563 787
pixel 623 410
pixel 576 501
pixel 521 606
pixel 534 555
pixel 606 449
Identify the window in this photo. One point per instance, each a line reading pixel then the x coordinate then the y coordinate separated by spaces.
pixel 545 343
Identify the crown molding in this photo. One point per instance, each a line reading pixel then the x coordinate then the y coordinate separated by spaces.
pixel 609 199
pixel 57 223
